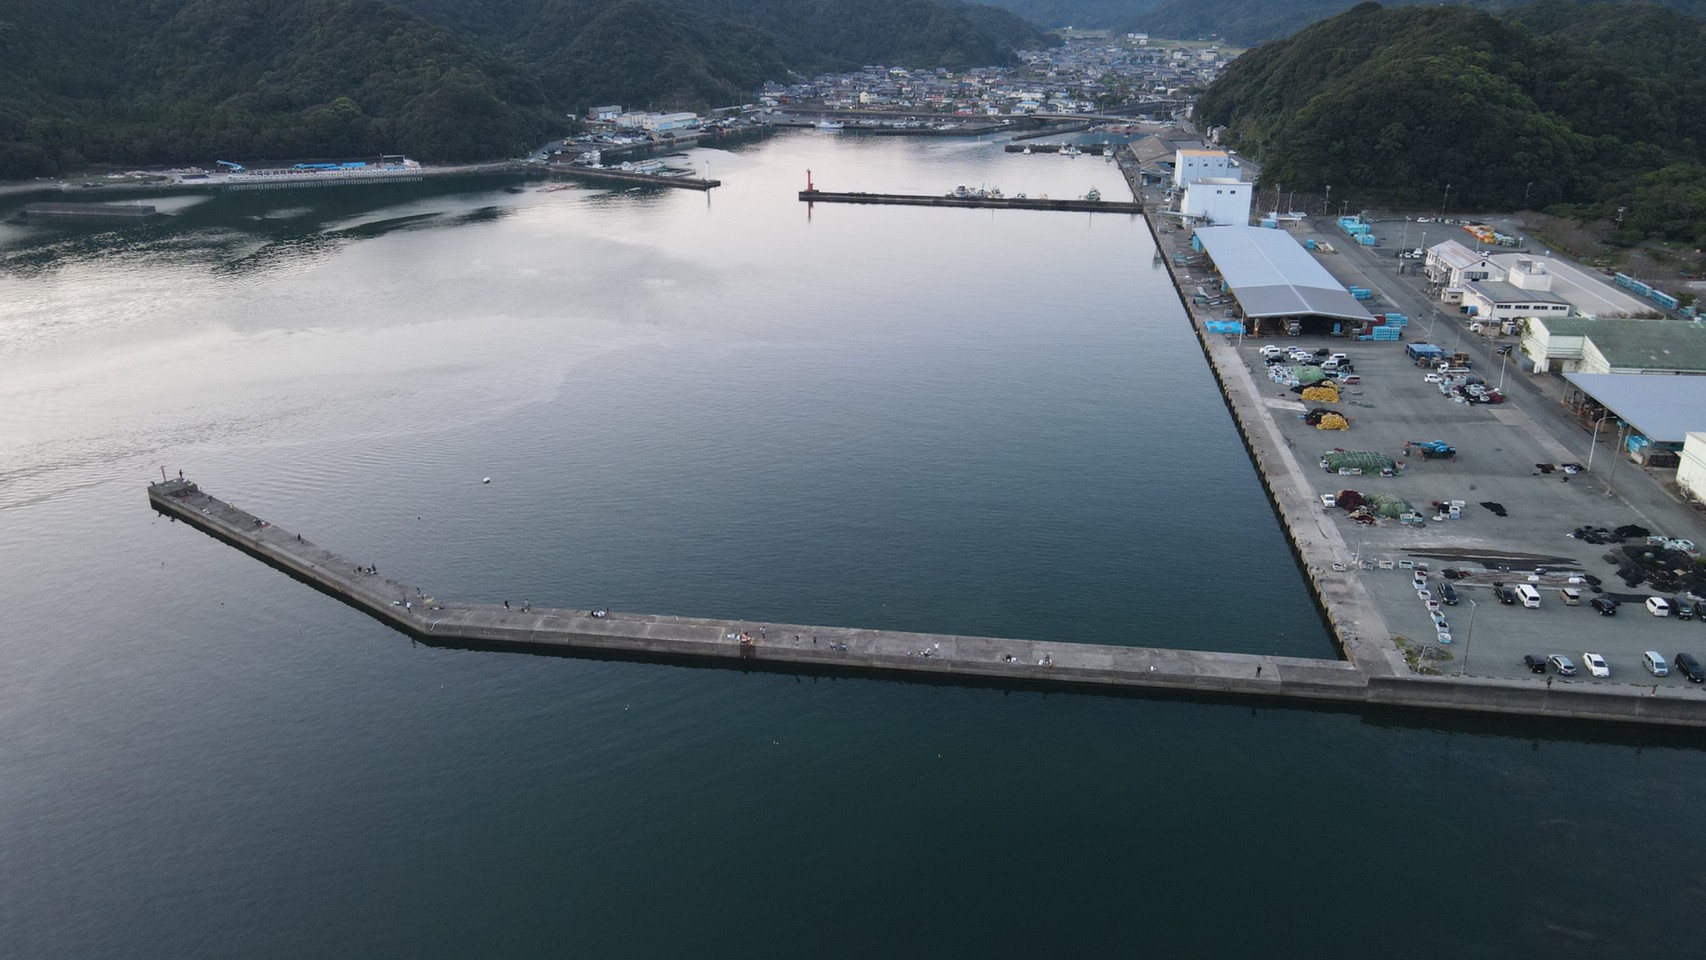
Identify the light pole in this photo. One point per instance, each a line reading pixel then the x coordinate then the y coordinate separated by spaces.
pixel 1615 456
pixel 1506 353
pixel 1525 194
pixel 1329 204
pixel 1470 635
pixel 1445 201
pixel 1594 443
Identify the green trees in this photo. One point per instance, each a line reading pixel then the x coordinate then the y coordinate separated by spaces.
pixel 176 81
pixel 1557 103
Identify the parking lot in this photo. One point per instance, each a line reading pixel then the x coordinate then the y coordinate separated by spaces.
pixel 1498 449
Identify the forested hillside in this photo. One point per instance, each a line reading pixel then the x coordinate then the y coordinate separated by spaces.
pixel 172 81
pixel 124 82
pixel 1589 107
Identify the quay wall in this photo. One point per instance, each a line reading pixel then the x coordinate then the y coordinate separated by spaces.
pixel 1354 622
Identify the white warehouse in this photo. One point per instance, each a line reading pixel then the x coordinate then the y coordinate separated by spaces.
pixel 1217 202
pixel 1192 165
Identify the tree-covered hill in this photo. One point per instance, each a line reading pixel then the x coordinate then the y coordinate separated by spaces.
pixel 173 81
pixel 122 82
pixel 1591 106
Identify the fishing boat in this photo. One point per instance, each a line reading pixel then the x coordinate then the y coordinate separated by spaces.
pixel 830 125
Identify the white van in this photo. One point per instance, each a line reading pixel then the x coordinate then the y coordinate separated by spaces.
pixel 1529 596
pixel 1655 663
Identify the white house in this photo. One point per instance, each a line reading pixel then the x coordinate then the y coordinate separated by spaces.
pixel 604 114
pixel 1217 201
pixel 1192 165
pixel 1451 265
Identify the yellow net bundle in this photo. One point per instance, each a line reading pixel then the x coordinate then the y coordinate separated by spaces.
pixel 1333 421
pixel 1321 394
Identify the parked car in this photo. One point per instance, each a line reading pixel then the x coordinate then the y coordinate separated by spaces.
pixel 1562 664
pixel 1655 663
pixel 1597 667
pixel 1507 595
pixel 1684 607
pixel 1570 595
pixel 1448 593
pixel 1534 664
pixel 1349 379
pixel 1658 606
pixel 1606 606
pixel 1690 668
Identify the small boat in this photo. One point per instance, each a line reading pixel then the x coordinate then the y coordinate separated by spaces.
pixel 1071 151
pixel 1094 196
pixel 1027 151
pixel 961 192
pixel 831 125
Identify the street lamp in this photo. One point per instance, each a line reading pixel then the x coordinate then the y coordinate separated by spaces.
pixel 1329 204
pixel 1445 202
pixel 1525 194
pixel 1506 353
pixel 1470 635
pixel 1594 443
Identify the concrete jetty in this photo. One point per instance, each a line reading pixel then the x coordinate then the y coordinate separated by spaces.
pixel 89 211
pixel 998 203
pixel 599 175
pixel 1363 679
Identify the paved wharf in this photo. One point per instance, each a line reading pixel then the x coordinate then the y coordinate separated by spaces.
pixel 998 203
pixel 917 656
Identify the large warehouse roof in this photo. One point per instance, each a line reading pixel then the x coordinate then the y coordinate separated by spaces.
pixel 1273 276
pixel 1639 344
pixel 1661 408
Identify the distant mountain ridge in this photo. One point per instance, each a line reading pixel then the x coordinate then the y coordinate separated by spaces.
pixel 175 81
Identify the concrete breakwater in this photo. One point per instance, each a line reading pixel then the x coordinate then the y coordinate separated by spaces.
pixel 1360 680
pixel 999 203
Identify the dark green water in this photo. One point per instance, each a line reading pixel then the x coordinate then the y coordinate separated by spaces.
pixel 941 420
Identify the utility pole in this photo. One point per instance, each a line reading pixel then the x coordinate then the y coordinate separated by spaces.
pixel 1525 194
pixel 1328 206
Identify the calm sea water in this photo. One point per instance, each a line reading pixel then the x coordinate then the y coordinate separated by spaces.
pixel 965 421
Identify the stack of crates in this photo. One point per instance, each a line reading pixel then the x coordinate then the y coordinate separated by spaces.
pixel 1366 239
pixel 1362 293
pixel 1385 333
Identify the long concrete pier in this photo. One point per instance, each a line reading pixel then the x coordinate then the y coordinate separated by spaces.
pixel 998 203
pixel 432 620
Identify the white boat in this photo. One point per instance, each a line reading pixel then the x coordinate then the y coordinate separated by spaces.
pixel 830 125
pixel 1071 151
pixel 1094 196
pixel 1027 151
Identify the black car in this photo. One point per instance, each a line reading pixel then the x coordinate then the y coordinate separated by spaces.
pixel 1684 607
pixel 1690 667
pixel 1507 596
pixel 1535 664
pixel 1447 594
pixel 1606 606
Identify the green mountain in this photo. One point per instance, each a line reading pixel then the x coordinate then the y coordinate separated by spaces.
pixel 173 81
pixel 1254 21
pixel 1588 107
pixel 112 81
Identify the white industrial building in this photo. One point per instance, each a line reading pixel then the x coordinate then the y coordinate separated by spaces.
pixel 1191 165
pixel 1500 300
pixel 658 122
pixel 1691 469
pixel 1217 202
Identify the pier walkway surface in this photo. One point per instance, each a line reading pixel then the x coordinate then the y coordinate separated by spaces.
pixel 1365 678
pixel 1000 203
